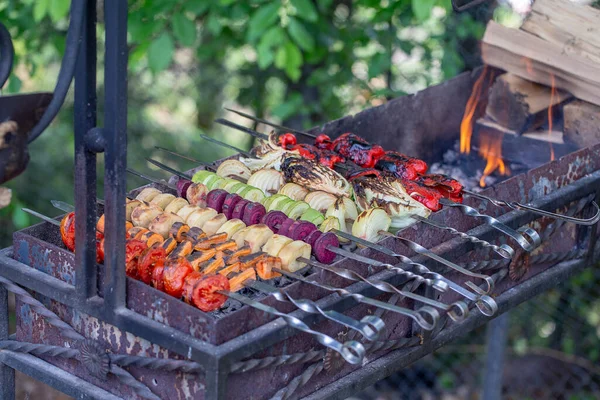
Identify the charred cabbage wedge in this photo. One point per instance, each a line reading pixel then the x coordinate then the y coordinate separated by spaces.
pixel 388 194
pixel 370 222
pixel 314 176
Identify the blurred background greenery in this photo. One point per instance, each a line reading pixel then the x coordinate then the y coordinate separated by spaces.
pixel 302 62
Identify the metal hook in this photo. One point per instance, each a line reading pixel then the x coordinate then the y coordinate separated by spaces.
pixel 417 248
pixel 352 351
pixel 369 329
pixel 460 310
pixel 523 207
pixel 528 244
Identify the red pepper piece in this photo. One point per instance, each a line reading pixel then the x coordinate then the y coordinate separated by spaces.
pixel 323 142
pixel 287 140
pixel 430 198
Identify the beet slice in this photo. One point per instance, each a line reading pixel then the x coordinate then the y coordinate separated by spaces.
pixel 285 227
pixel 238 210
pixel 229 204
pixel 320 248
pixel 301 229
pixel 215 199
pixel 312 238
pixel 182 187
pixel 274 219
pixel 253 213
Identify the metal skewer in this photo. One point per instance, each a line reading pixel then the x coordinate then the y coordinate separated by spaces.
pixel 523 207
pixel 205 165
pixel 428 311
pixel 369 326
pixel 484 303
pixel 41 216
pixel 264 121
pixel 206 137
pixel 352 351
pixel 503 250
pixel 456 311
pixel 249 131
pixel 526 237
pixel 437 284
pixel 169 169
pixel 150 179
pixel 417 248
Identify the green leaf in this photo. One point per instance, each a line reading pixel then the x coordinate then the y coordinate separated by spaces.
pixel 58 9
pixel 306 9
pixel 14 84
pixel 184 30
pixel 265 55
pixel 422 8
pixel 289 59
pixel 273 37
pixel 196 7
pixel 289 107
pixel 40 9
pixel 300 35
pixel 262 19
pixel 160 53
pixel 213 24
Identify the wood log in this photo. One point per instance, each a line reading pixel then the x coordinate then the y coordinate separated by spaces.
pixel 537 60
pixel 520 105
pixel 581 123
pixel 574 27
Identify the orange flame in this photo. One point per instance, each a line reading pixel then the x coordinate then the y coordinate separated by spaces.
pixel 490 149
pixel 466 125
pixel 552 94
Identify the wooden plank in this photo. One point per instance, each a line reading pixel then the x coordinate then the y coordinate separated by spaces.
pixel 534 59
pixel 581 123
pixel 520 105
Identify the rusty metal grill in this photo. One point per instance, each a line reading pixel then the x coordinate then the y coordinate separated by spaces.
pixel 135 342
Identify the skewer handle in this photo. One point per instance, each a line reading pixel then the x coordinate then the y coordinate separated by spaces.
pixel 524 207
pixel 352 351
pixel 504 250
pixel 527 238
pixel 369 326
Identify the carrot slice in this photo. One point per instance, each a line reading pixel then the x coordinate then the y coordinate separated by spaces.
pixel 264 268
pixel 198 257
pixel 228 245
pixel 169 245
pixel 151 238
pixel 179 231
pixel 211 267
pixel 230 269
pixel 195 234
pixel 237 282
pixel 137 232
pixel 183 249
pixel 210 241
pixel 251 260
pixel 235 256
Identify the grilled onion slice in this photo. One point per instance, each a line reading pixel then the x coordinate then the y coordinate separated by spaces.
pixel 370 222
pixel 314 176
pixel 233 169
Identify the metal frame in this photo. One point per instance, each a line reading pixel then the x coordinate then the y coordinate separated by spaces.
pixel 111 307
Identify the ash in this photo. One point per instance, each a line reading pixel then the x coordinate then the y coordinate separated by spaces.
pixel 467 168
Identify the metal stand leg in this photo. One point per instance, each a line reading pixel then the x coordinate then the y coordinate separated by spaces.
pixel 494 364
pixel 7 374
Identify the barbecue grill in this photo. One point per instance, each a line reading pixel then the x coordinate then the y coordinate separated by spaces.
pixel 91 332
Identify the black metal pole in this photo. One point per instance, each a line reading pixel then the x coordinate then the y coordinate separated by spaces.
pixel 85 160
pixel 7 374
pixel 494 363
pixel 115 126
